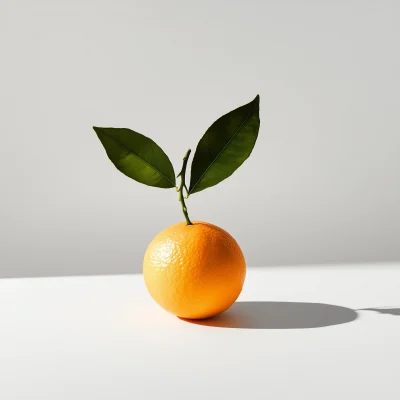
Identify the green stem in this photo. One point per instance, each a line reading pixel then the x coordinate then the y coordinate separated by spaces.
pixel 181 197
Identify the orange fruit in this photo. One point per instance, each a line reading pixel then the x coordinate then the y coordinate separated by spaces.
pixel 194 271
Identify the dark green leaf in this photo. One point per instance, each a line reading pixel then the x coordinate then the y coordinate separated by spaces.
pixel 224 147
pixel 137 156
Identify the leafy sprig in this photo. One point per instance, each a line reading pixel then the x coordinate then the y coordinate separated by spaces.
pixel 226 144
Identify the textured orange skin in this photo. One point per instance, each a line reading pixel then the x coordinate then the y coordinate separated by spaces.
pixel 194 271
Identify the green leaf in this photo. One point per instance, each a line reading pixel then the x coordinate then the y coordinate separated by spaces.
pixel 137 156
pixel 224 147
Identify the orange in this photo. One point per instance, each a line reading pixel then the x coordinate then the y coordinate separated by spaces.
pixel 194 271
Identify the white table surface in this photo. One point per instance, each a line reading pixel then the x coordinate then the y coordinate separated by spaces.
pixel 94 338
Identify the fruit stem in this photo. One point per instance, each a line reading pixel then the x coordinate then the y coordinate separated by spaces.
pixel 181 197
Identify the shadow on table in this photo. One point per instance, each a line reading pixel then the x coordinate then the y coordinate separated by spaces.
pixel 383 310
pixel 279 315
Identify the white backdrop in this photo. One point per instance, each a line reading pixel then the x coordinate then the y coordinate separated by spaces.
pixel 321 186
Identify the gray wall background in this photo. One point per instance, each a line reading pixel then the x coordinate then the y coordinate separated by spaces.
pixel 322 185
